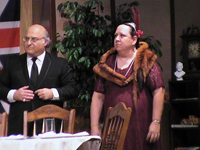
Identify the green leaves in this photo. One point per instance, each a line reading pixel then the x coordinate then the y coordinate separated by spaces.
pixel 85 39
pixel 82 59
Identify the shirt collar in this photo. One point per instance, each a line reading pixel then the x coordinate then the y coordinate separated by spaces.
pixel 40 57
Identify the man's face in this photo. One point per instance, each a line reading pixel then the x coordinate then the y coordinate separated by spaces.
pixel 34 41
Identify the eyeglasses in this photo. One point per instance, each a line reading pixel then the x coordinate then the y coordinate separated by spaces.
pixel 32 39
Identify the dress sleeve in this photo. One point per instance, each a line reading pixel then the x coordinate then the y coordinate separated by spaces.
pixel 155 78
pixel 100 85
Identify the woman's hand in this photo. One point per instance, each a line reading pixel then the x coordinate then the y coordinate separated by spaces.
pixel 154 132
pixel 158 103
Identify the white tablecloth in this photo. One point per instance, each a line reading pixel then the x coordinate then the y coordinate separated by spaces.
pixel 62 143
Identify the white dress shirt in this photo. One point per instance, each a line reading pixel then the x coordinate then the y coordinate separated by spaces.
pixel 39 62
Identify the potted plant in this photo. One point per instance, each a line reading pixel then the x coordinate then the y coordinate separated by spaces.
pixel 85 39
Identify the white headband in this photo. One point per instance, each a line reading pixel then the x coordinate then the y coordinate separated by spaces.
pixel 132 25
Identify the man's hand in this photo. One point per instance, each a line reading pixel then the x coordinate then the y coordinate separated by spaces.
pixel 23 94
pixel 45 93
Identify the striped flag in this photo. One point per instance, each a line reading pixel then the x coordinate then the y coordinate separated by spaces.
pixel 9 26
pixel 9 30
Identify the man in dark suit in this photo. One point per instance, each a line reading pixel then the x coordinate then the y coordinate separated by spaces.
pixel 54 84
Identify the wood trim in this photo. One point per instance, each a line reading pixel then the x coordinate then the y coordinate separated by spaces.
pixel 173 39
pixel 112 9
pixel 25 20
pixel 53 20
pixel 45 17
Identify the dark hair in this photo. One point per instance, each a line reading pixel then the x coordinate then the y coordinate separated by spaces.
pixel 133 33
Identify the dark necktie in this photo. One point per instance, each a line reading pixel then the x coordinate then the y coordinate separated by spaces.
pixel 34 71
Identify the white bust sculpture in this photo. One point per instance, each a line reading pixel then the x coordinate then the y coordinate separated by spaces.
pixel 179 73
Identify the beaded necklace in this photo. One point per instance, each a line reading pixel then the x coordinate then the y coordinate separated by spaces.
pixel 131 64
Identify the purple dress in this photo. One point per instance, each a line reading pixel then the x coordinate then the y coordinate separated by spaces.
pixel 140 118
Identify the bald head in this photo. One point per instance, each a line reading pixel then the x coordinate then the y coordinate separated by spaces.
pixel 39 30
pixel 36 40
pixel 37 27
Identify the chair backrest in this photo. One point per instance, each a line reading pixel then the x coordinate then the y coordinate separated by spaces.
pixel 50 111
pixel 115 128
pixel 3 124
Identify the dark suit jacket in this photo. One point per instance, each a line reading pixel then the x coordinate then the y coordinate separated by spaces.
pixel 55 73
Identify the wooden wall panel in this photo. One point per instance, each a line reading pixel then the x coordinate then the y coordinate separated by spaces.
pixel 37 12
pixel 44 14
pixel 25 20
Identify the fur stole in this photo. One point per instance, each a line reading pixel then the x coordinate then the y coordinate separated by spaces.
pixel 144 61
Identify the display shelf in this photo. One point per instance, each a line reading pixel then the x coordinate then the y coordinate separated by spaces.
pixel 190 99
pixel 185 102
pixel 180 126
pixel 188 148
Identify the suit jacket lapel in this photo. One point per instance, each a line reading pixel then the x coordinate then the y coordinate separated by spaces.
pixel 23 64
pixel 45 68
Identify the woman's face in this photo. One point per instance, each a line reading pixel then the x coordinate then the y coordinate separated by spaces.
pixel 123 40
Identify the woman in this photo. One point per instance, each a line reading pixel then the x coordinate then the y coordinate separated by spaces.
pixel 130 75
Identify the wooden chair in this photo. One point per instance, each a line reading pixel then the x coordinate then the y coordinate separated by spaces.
pixel 3 124
pixel 115 128
pixel 50 111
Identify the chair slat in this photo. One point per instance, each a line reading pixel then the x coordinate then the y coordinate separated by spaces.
pixel 115 127
pixel 3 124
